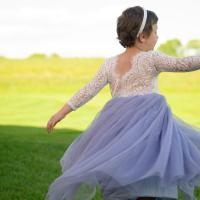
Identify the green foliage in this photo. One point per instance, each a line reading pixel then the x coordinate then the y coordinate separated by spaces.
pixel 55 55
pixel 174 47
pixel 195 44
pixel 193 47
pixel 38 56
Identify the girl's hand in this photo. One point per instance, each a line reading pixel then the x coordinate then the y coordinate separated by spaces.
pixel 54 120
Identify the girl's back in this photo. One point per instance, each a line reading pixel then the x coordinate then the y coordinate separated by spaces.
pixel 136 75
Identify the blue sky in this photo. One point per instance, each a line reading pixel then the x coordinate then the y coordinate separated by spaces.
pixel 85 28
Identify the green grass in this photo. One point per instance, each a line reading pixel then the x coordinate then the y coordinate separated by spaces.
pixel 32 90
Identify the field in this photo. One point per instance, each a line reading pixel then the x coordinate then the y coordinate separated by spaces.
pixel 33 89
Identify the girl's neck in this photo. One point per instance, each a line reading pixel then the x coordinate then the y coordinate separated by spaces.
pixel 133 50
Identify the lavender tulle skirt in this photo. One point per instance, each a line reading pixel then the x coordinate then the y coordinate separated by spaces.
pixel 134 147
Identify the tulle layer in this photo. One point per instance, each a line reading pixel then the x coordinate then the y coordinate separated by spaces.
pixel 135 146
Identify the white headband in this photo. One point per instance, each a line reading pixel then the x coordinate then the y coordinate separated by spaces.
pixel 143 22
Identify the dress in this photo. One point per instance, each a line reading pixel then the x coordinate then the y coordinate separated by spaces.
pixel 135 146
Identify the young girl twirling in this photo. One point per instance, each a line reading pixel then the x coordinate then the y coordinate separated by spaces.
pixel 135 148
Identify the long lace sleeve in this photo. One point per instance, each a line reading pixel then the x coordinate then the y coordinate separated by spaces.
pixel 166 63
pixel 87 92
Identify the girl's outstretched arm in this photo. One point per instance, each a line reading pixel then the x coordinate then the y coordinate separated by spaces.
pixel 82 96
pixel 165 63
pixel 88 91
pixel 57 117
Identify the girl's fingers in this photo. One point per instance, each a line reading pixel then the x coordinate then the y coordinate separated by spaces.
pixel 50 127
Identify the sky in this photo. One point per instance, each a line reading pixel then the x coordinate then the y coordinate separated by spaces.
pixel 85 28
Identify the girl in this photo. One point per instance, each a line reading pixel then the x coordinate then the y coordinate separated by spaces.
pixel 135 148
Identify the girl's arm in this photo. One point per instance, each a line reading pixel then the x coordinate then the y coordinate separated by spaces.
pixel 87 92
pixel 82 96
pixel 166 63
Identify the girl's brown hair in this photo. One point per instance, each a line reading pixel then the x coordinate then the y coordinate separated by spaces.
pixel 129 22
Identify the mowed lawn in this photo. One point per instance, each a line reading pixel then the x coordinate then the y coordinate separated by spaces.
pixel 32 90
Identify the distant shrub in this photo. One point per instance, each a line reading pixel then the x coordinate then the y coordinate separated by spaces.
pixel 38 56
pixel 55 55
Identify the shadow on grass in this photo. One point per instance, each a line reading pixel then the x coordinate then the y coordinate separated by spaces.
pixel 29 158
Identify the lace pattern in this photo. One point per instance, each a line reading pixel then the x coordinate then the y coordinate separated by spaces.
pixel 140 79
pixel 166 63
pixel 91 88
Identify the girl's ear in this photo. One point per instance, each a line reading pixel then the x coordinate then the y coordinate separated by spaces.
pixel 142 37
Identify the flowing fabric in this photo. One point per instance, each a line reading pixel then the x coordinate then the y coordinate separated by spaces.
pixel 135 146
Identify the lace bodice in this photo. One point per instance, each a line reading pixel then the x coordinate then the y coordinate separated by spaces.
pixel 140 79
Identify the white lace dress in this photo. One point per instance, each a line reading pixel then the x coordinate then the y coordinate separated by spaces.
pixel 141 79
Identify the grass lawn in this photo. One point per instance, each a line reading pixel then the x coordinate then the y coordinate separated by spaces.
pixel 33 89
